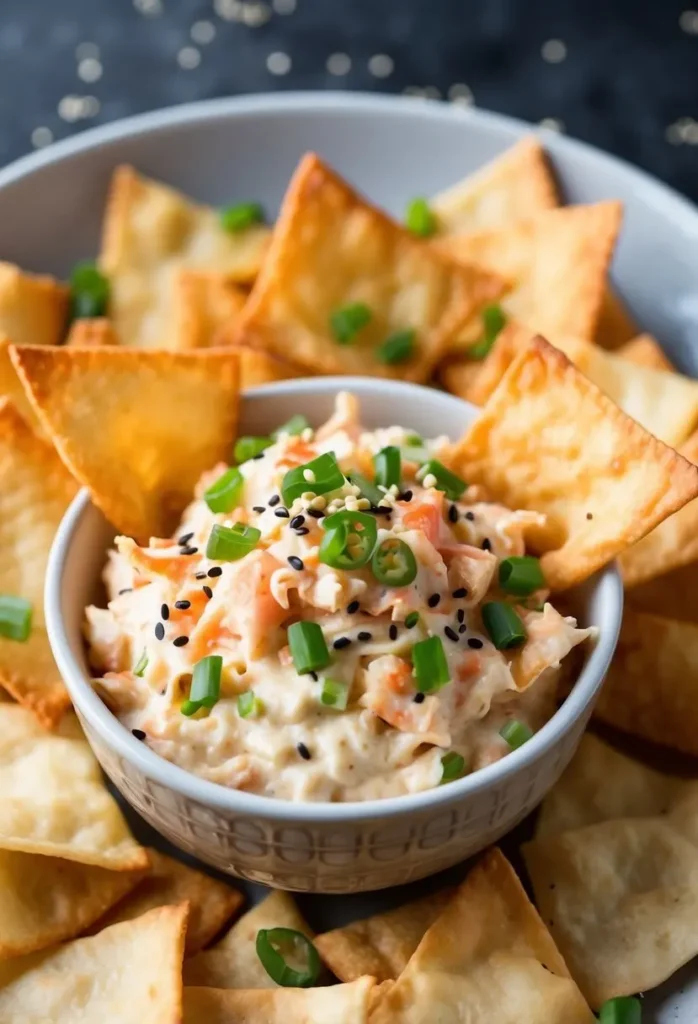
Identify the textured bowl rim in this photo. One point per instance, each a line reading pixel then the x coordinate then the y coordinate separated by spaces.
pixel 119 739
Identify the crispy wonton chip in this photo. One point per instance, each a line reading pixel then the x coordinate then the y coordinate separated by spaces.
pixel 128 974
pixel 488 957
pixel 615 326
pixel 258 367
pixel 380 945
pixel 97 331
pixel 233 962
pixel 44 900
pixel 35 489
pixel 203 303
pixel 151 233
pixel 644 350
pixel 54 801
pixel 11 387
pixel 211 903
pixel 136 428
pixel 336 1004
pixel 549 440
pixel 33 310
pixel 331 249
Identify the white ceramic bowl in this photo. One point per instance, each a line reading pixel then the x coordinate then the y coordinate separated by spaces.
pixel 320 847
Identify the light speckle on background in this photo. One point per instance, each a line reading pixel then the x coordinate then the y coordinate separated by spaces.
pixel 90 70
pixel 553 124
pixel 150 8
pixel 87 51
pixel 73 108
pixel 381 65
pixel 203 32
pixel 278 63
pixel 284 6
pixel 684 131
pixel 554 51
pixel 189 58
pixel 461 94
pixel 254 15
pixel 339 64
pixel 689 22
pixel 42 137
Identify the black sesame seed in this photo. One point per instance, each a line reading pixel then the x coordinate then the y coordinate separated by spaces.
pixel 260 455
pixel 475 643
pixel 364 636
pixel 459 592
pixel 451 634
pixel 487 544
pixel 274 500
pixel 453 514
pixel 352 607
pixel 282 512
pixel 406 496
pixel 181 641
pixel 460 615
pixel 316 513
pixel 303 751
pixel 419 698
pixel 295 562
pixel 185 538
pixel 182 605
pixel 470 516
pixel 126 590
pixel 301 531
pixel 434 600
pixel 313 675
pixel 392 632
pixel 159 631
pixel 188 551
pixel 381 510
pixel 207 591
pixel 199 575
pixel 164 612
pixel 138 733
pixel 258 508
pixel 462 629
pixel 214 571
pixel 296 522
pixel 590 515
pixel 340 642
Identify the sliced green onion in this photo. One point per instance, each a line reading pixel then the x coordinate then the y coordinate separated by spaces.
pixel 420 219
pixel 239 216
pixel 393 563
pixel 275 945
pixel 249 706
pixel 15 617
pixel 503 625
pixel 621 1010
pixel 388 466
pixel 493 320
pixel 247 447
pixel 308 647
pixel 515 733
pixel 296 425
pixel 346 322
pixel 89 292
pixel 521 575
pixel 348 540
pixel 368 489
pixel 411 619
pixel 205 688
pixel 446 481
pixel 141 665
pixel 414 440
pixel 430 665
pixel 334 694
pixel 397 348
pixel 452 766
pixel 415 454
pixel 319 476
pixel 225 493
pixel 230 543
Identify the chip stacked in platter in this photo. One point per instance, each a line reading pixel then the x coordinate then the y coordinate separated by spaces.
pixel 126 380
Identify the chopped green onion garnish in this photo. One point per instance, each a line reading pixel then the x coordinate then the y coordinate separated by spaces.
pixel 141 665
pixel 452 766
pixel 348 540
pixel 419 219
pixel 493 320
pixel 414 440
pixel 275 944
pixel 205 688
pixel 503 625
pixel 430 665
pixel 241 215
pixel 249 706
pixel 247 447
pixel 319 476
pixel 415 454
pixel 89 291
pixel 348 321
pixel 520 575
pixel 446 481
pixel 368 489
pixel 515 733
pixel 225 493
pixel 334 694
pixel 411 619
pixel 387 463
pixel 397 348
pixel 15 617
pixel 621 1010
pixel 308 647
pixel 393 563
pixel 296 425
pixel 229 543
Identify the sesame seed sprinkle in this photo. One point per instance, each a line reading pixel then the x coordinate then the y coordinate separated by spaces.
pixel 303 751
pixel 434 600
pixel 301 531
pixel 258 508
pixel 392 631
pixel 406 496
pixel 259 455
pixel 208 592
pixel 282 513
pixel 182 605
pixel 459 592
pixel 462 629
pixel 159 631
pixel 419 698
pixel 316 513
pixel 487 544
pixel 460 615
pixel 189 551
pixel 185 538
pixel 364 636
pixel 164 612
pixel 297 521
pixel 452 514
pixel 341 642
pixel 353 607
pixel 138 733
pixel 475 643
pixel 295 562
pixel 274 500
pixel 214 571
pixel 126 590
pixel 590 515
pixel 199 575
pixel 181 641
pixel 470 516
pixel 451 634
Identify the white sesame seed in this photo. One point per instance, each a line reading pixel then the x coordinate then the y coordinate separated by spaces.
pixel 41 137
pixel 307 434
pixel 309 476
pixel 278 63
pixel 90 70
pixel 189 58
pixel 553 51
pixel 338 64
pixel 381 65
pixel 307 495
pixel 351 504
pixel 203 32
pixel 319 502
pixel 363 503
pixel 429 481
pixel 394 490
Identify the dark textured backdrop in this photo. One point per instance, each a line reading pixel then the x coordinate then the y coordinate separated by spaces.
pixel 622 74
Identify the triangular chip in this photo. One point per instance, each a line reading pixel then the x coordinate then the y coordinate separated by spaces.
pixel 128 974
pixel 644 350
pixel 331 249
pixel 87 331
pixel 35 490
pixel 136 428
pixel 257 367
pixel 488 957
pixel 615 326
pixel 380 945
pixel 233 962
pixel 54 801
pixel 33 310
pixel 11 387
pixel 202 303
pixel 336 1004
pixel 211 903
pixel 44 900
pixel 549 440
pixel 151 232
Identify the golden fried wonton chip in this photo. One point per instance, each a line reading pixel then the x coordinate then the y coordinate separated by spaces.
pixel 211 903
pixel 258 367
pixel 35 490
pixel 128 974
pixel 380 945
pixel 97 331
pixel 54 801
pixel 488 957
pixel 152 232
pixel 203 302
pixel 331 249
pixel 615 326
pixel 335 1004
pixel 136 428
pixel 11 387
pixel 644 350
pixel 233 961
pixel 33 310
pixel 549 440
